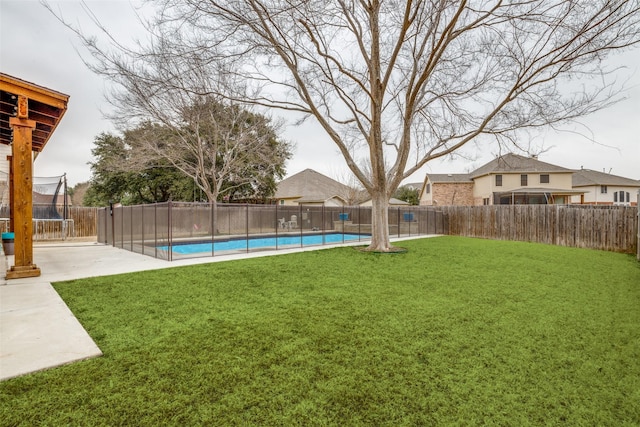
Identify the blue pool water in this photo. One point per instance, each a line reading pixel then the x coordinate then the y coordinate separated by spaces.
pixel 263 242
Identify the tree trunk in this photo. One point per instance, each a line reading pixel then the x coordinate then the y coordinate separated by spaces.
pixel 213 212
pixel 379 223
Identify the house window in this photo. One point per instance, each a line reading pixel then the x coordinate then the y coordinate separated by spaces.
pixel 544 179
pixel 498 180
pixel 428 189
pixel 282 201
pixel 523 180
pixel 603 189
pixel 485 201
pixel 621 196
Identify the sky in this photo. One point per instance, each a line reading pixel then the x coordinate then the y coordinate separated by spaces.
pixel 36 47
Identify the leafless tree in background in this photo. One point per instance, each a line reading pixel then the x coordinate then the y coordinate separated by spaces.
pixel 224 149
pixel 176 105
pixel 400 83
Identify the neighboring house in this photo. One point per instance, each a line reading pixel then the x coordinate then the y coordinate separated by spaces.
pixel 514 179
pixel 508 179
pixel 311 187
pixel 50 206
pixel 40 199
pixel 447 189
pixel 5 151
pixel 602 188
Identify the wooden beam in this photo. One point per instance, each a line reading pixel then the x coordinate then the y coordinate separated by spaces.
pixel 32 91
pixel 37 111
pixel 22 194
pixel 46 107
pixel 10 180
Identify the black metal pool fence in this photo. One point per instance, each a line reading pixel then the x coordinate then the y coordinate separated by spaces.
pixel 156 229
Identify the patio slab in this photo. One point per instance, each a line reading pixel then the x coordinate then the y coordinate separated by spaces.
pixel 38 331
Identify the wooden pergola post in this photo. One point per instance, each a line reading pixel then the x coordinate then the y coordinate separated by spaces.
pixel 21 187
pixel 29 114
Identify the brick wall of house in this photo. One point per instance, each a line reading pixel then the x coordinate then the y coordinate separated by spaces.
pixel 453 193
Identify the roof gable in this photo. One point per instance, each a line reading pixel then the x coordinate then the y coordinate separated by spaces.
pixel 514 163
pixel 436 178
pixel 587 177
pixel 311 185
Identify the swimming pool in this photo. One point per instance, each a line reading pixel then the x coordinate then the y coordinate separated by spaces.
pixel 189 248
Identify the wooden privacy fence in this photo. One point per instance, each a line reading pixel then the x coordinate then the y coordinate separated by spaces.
pixel 81 222
pixel 610 228
pixel 85 221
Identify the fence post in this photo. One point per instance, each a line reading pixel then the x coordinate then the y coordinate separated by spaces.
pixel 131 228
pixel 169 231
pixel 213 210
pixel 113 225
pixel 121 227
pixel 246 224
pixel 106 226
pixel 142 226
pixel 277 225
pixel 323 227
pixel 300 222
pixel 342 218
pixel 155 229
pixel 638 225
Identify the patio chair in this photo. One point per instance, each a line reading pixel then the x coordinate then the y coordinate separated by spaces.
pixel 294 222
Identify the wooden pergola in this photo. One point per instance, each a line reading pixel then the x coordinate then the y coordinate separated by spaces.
pixel 29 114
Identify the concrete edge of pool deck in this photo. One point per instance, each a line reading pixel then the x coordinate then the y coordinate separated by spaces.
pixel 37 329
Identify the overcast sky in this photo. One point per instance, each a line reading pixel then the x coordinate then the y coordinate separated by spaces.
pixel 35 47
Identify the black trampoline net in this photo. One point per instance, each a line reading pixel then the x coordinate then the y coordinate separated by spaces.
pixel 49 197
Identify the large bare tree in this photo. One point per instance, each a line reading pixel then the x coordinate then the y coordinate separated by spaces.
pixel 400 83
pixel 396 84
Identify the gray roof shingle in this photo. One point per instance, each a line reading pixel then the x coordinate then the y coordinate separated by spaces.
pixel 514 163
pixel 449 177
pixel 587 177
pixel 311 185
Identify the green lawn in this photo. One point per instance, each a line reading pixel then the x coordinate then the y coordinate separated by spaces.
pixel 455 332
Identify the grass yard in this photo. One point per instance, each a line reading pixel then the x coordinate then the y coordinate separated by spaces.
pixel 455 332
